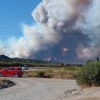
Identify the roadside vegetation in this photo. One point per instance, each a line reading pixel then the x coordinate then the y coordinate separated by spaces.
pixel 61 72
pixel 89 75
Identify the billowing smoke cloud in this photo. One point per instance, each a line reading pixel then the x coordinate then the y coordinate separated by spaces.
pixel 64 29
pixel 31 42
pixel 91 27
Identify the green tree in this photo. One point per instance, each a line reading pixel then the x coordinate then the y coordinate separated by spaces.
pixel 97 59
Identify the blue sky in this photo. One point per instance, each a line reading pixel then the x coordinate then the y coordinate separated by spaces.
pixel 12 14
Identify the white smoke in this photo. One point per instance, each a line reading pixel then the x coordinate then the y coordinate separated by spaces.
pixel 53 19
pixel 55 14
pixel 87 53
pixel 2 48
pixel 32 41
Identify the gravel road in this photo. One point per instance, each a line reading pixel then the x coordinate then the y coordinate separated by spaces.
pixel 37 89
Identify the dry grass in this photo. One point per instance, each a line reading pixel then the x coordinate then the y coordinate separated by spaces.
pixel 65 72
pixel 2 79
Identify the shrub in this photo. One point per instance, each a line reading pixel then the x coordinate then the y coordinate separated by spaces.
pixel 89 74
pixel 40 74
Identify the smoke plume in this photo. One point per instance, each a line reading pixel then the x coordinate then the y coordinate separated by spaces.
pixel 63 29
pixel 91 27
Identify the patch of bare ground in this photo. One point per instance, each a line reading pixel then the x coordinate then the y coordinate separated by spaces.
pixel 85 94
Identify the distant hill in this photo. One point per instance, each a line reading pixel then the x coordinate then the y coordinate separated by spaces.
pixel 6 61
pixel 20 60
pixel 3 57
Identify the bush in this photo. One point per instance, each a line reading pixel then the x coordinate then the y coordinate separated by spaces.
pixel 89 74
pixel 40 74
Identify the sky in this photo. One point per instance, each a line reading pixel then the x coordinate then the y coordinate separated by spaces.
pixel 12 14
pixel 53 30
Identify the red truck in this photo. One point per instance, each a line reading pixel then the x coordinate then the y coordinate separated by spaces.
pixel 11 72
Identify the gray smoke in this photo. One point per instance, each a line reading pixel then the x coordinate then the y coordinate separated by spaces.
pixel 64 29
pixel 91 27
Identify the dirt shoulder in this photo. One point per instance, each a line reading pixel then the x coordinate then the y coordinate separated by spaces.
pixel 84 94
pixel 48 89
pixel 37 89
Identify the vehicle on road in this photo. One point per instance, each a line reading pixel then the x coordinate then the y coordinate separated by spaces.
pixel 25 67
pixel 11 72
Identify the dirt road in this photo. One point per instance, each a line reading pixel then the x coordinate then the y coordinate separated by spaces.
pixel 37 89
pixel 48 89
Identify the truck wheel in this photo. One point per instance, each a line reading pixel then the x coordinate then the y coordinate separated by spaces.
pixel 1 75
pixel 15 75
